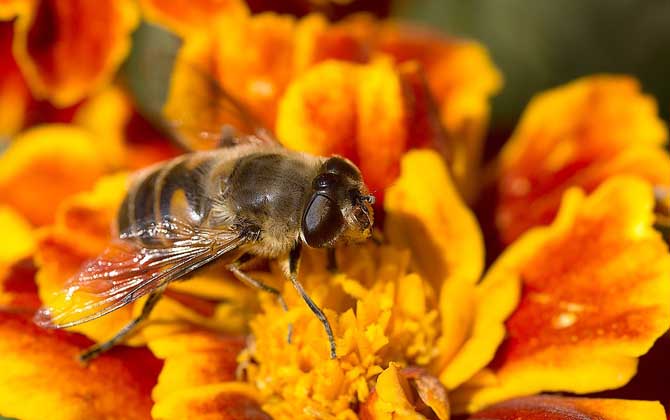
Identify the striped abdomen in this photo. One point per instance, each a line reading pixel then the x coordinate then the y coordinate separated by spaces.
pixel 176 188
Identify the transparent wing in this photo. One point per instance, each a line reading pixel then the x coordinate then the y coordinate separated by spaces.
pixel 126 271
pixel 202 115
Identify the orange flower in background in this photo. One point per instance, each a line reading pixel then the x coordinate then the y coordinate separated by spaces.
pixel 424 329
pixel 577 135
pixel 68 49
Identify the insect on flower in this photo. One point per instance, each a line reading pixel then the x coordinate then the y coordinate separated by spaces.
pixel 249 198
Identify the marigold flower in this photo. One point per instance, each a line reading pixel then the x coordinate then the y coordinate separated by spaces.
pixel 422 328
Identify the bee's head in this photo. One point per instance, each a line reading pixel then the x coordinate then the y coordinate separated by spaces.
pixel 340 207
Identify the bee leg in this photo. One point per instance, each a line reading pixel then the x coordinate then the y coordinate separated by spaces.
pixel 332 260
pixel 97 349
pixel 662 210
pixel 250 281
pixel 294 260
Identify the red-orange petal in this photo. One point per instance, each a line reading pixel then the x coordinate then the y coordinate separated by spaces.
pixel 67 49
pixel 14 94
pixel 579 134
pixel 595 297
pixel 563 408
pixel 40 376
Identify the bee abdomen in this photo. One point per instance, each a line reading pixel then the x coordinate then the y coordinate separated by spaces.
pixel 175 189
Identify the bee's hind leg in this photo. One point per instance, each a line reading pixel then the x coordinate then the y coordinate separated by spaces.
pixel 250 281
pixel 97 349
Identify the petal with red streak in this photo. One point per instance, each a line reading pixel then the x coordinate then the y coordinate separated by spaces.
pixel 595 297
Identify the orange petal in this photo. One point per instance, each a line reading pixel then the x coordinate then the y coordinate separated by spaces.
pixel 562 408
pixel 596 296
pixel 361 115
pixel 41 378
pixel 425 213
pixel 14 94
pixel 408 393
pixel 45 165
pixel 193 359
pixel 187 16
pixel 317 120
pixel 579 134
pixel 197 380
pixel 69 48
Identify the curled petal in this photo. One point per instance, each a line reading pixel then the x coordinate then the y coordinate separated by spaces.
pixel 406 393
pixel 187 16
pixel 40 376
pixel 561 408
pixel 69 48
pixel 45 165
pixel 425 213
pixel 577 135
pixel 595 283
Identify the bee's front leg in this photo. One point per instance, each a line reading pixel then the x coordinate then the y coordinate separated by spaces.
pixel 293 262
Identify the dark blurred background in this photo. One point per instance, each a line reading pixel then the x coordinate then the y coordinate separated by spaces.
pixel 543 43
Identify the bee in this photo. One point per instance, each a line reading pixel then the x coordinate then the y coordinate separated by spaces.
pixel 250 198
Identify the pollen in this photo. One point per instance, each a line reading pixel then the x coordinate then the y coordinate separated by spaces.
pixel 380 314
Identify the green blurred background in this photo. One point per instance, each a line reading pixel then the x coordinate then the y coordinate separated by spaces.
pixel 542 43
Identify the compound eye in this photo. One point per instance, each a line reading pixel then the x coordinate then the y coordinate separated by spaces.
pixel 322 222
pixel 325 182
